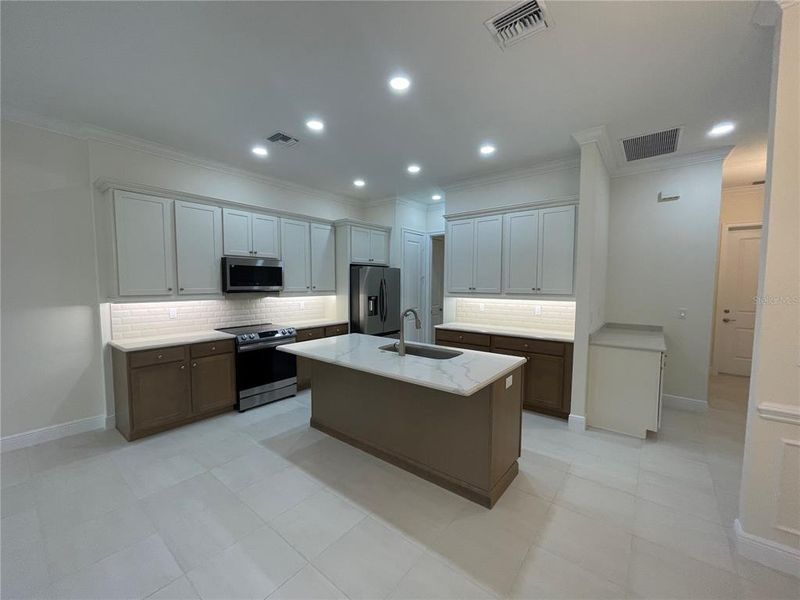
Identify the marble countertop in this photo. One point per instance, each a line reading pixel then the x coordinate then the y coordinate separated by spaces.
pixel 635 337
pixel 207 335
pixel 523 332
pixel 463 375
pixel 175 339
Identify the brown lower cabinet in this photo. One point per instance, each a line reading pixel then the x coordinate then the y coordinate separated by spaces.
pixel 547 375
pixel 314 333
pixel 163 388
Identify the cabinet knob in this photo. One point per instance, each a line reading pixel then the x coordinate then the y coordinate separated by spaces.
pixel 180 289
pixel 307 287
pixel 213 347
pixel 160 356
pixel 183 367
pixel 169 289
pixel 526 345
pixel 194 364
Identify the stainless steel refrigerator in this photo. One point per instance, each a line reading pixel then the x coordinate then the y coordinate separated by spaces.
pixel 374 300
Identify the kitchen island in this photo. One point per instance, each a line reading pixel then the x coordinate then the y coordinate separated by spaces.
pixel 455 422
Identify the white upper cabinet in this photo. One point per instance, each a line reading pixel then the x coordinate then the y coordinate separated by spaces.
pixel 360 249
pixel 520 251
pixel 378 246
pixel 144 244
pixel 323 258
pixel 250 234
pixel 296 256
pixel 198 244
pixel 488 253
pixel 474 247
pixel 460 253
pixel 266 236
pixel 556 250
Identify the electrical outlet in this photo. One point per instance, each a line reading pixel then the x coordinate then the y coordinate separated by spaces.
pixel 509 381
pixel 173 313
pixel 537 309
pixel 302 304
pixel 481 307
pixel 681 313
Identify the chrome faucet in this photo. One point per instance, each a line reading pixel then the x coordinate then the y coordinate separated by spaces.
pixel 401 344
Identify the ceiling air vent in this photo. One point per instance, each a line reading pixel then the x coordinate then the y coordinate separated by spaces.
pixel 651 144
pixel 518 22
pixel 284 140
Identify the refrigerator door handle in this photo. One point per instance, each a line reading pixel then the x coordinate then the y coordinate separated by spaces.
pixel 382 300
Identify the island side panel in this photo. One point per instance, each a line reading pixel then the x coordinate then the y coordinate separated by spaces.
pixel 446 438
pixel 506 427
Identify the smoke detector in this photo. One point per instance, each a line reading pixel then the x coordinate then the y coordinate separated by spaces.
pixel 282 140
pixel 519 22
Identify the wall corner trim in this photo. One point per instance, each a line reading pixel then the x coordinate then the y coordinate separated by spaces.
pixel 577 423
pixel 761 550
pixel 684 403
pixel 53 432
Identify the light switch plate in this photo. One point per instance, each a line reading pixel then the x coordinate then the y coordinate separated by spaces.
pixel 173 313
pixel 509 381
pixel 537 309
pixel 481 306
pixel 302 304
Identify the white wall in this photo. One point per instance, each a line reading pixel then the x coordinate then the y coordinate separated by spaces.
pixel 661 258
pixel 554 181
pixel 435 217
pixel 742 204
pixel 51 337
pixel 769 506
pixel 591 270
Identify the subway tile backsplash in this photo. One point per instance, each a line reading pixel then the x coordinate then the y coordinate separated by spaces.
pixel 145 319
pixel 509 312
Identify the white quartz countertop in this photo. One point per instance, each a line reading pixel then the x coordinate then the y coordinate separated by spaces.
pixel 523 332
pixel 635 337
pixel 175 339
pixel 463 375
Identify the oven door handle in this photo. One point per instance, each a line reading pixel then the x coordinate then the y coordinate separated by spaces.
pixel 262 345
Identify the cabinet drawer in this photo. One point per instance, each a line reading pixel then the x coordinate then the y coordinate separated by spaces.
pixel 528 345
pixel 154 357
pixel 462 337
pixel 313 333
pixel 211 348
pixel 335 330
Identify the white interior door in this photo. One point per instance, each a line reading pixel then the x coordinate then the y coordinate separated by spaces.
pixel 296 256
pixel 736 308
pixel 413 280
pixel 437 283
pixel 198 243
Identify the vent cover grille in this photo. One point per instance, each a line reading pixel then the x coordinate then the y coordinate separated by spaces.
pixel 651 144
pixel 284 140
pixel 518 22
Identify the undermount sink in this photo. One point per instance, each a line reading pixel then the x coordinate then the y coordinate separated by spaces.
pixel 424 351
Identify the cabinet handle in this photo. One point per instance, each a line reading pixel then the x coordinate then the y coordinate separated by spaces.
pixel 313 287
pixel 307 287
pixel 160 356
pixel 213 347
pixel 194 364
pixel 180 289
pixel 169 289
pixel 183 367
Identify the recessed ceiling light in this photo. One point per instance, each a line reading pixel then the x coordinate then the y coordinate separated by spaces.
pixel 414 169
pixel 723 128
pixel 260 151
pixel 436 197
pixel 487 150
pixel 315 124
pixel 359 182
pixel 400 83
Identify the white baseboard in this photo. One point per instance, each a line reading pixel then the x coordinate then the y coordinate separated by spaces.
pixel 54 432
pixel 761 550
pixel 684 403
pixel 577 423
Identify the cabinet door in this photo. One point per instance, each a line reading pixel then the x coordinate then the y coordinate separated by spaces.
pixel 238 234
pixel 145 262
pixel 460 242
pixel 213 383
pixel 198 243
pixel 488 254
pixel 556 250
pixel 520 248
pixel 160 395
pixel 545 382
pixel 360 245
pixel 379 247
pixel 266 236
pixel 296 256
pixel 323 258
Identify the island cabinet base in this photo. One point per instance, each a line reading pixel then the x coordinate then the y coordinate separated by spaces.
pixel 466 444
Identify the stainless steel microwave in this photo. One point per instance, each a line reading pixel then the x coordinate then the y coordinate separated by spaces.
pixel 251 274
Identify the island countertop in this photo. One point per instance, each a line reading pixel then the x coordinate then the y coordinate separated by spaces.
pixel 463 375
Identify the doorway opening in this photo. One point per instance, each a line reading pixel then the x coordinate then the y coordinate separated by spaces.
pixel 436 301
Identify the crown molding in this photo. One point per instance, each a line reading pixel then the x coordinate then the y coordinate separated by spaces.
pixel 561 164
pixel 599 136
pixel 92 133
pixel 673 162
pixel 359 223
pixel 506 208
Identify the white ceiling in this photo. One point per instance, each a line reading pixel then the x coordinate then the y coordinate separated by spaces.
pixel 212 79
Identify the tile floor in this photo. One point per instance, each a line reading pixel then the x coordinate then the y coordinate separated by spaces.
pixel 257 505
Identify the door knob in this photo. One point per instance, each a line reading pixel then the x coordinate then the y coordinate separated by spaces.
pixel 727 320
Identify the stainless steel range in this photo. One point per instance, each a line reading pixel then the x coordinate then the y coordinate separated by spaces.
pixel 263 374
